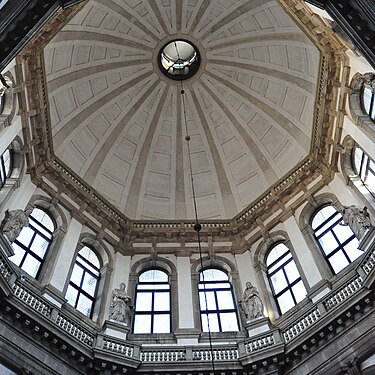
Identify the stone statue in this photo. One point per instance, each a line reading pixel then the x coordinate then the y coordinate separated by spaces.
pixel 357 219
pixel 13 223
pixel 251 304
pixel 5 83
pixel 121 308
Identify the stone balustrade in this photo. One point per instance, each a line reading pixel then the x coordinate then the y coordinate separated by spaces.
pixel 300 325
pixel 261 343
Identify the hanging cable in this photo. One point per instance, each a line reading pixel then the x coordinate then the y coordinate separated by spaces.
pixel 197 225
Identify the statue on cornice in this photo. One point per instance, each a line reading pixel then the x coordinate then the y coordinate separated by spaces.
pixel 5 83
pixel 368 80
pixel 121 308
pixel 251 304
pixel 13 223
pixel 356 218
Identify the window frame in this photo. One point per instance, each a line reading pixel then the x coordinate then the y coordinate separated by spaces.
pixel 362 165
pixel 341 246
pixel 79 288
pixel 372 103
pixel 217 311
pixel 28 250
pixel 153 312
pixel 3 169
pixel 282 266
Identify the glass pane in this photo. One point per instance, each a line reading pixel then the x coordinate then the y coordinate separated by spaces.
pixel 77 274
pixel 38 228
pixel 228 322
pixel 43 218
pixel 153 287
pixel 25 236
pixel 335 220
pixel 299 291
pixel 281 262
pixel 352 250
pixel 31 265
pixel 213 274
pixel 71 295
pixel 338 261
pixel 357 159
pixel 343 232
pixel 322 215
pixel 143 302
pixel 89 284
pixel 153 276
pixel 225 300
pixel 214 323
pixel 211 304
pixel 39 246
pixel 285 302
pixel 18 254
pixel 291 271
pixel 276 253
pixel 84 305
pixel 328 243
pixel 6 158
pixel 89 255
pixel 278 281
pixel 214 285
pixel 161 302
pixel 142 324
pixel 87 265
pixel 162 323
pixel 367 94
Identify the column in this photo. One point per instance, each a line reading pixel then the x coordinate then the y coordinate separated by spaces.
pixel 305 258
pixel 65 258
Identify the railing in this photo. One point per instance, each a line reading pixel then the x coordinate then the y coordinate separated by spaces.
pixel 163 355
pixel 301 325
pixel 260 343
pixel 32 300
pixel 368 263
pixel 343 293
pixel 66 322
pixel 219 354
pixel 118 346
pixel 74 329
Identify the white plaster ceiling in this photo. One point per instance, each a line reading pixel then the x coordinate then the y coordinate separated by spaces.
pixel 117 121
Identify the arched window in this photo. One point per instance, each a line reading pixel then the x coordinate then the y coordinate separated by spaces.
pixel 32 244
pixel 152 303
pixel 337 241
pixel 368 101
pixel 287 286
pixel 365 168
pixel 83 284
pixel 6 166
pixel 217 304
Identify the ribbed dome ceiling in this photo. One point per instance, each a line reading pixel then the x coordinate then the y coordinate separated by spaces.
pixel 117 120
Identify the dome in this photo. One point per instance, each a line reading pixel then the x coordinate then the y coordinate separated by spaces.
pixel 119 123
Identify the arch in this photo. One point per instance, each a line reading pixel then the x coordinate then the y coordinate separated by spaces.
pixel 260 263
pixel 166 266
pixel 84 281
pixel 105 268
pixel 33 244
pixel 283 275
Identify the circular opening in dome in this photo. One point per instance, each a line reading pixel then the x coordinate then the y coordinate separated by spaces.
pixel 179 59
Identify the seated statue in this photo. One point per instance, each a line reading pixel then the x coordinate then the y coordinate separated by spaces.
pixel 121 308
pixel 251 304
